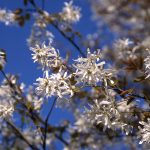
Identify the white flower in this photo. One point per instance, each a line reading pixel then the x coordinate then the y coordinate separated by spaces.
pixel 7 17
pixel 82 124
pixel 147 65
pixel 123 44
pixel 123 106
pixel 39 35
pixel 39 32
pixel 144 131
pixel 105 112
pixel 124 49
pixel 91 70
pixel 92 40
pixel 44 86
pixel 102 112
pixel 6 102
pixel 47 56
pixel 55 85
pixel 33 100
pixel 70 13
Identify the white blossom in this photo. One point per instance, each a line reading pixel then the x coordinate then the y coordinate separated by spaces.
pixel 39 35
pixel 124 49
pixel 33 100
pixel 111 13
pixel 6 102
pixel 70 13
pixel 91 69
pixel 123 106
pixel 7 17
pixel 46 55
pixel 144 132
pixel 39 32
pixel 55 85
pixel 92 40
pixel 105 112
pixel 102 112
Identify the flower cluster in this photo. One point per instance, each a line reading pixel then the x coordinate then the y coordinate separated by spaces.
pixel 102 99
pixel 124 49
pixel 46 56
pixel 132 24
pixel 39 32
pixel 91 70
pixel 7 17
pixel 54 85
pixel 105 112
pixel 6 102
pixel 70 13
pixel 144 132
pixel 32 100
pixel 88 70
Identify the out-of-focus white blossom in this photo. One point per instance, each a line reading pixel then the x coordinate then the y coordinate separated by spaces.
pixel 122 17
pixel 123 44
pixel 39 32
pixel 147 65
pixel 6 102
pixel 33 100
pixel 144 132
pixel 7 17
pixel 87 137
pixel 82 124
pixel 46 55
pixel 146 42
pixel 92 40
pixel 40 19
pixel 70 13
pixel 55 85
pixel 91 69
pixel 39 35
pixel 123 106
pixel 124 49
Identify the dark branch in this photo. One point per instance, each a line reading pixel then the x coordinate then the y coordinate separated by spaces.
pixel 21 135
pixel 46 123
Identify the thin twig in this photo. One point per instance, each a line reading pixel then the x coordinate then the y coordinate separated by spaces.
pixel 68 39
pixel 61 139
pixel 46 123
pixel 58 29
pixel 5 76
pixel 21 135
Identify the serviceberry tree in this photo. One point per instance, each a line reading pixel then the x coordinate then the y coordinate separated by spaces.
pixel 106 88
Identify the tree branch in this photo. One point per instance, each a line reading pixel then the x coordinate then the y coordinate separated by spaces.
pixel 21 135
pixel 58 29
pixel 46 123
